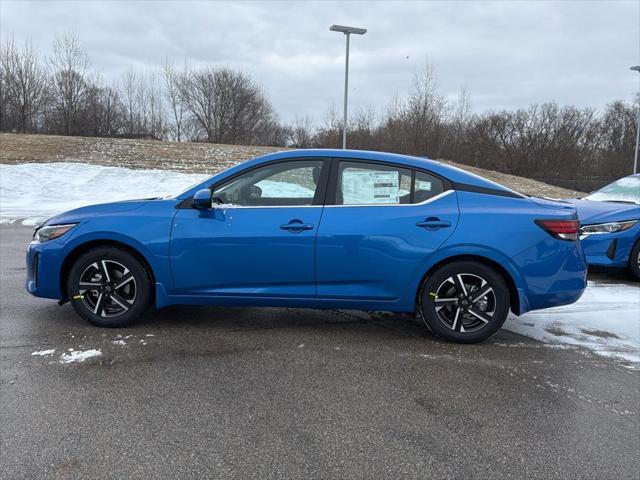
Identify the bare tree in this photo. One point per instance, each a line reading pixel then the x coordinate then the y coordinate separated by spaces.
pixel 227 106
pixel 129 90
pixel 103 113
pixel 329 135
pixel 23 86
pixel 152 97
pixel 423 113
pixel 302 132
pixel 5 113
pixel 70 66
pixel 198 92
pixel 172 81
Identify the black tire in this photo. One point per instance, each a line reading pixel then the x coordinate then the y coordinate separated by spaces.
pixel 464 315
pixel 113 299
pixel 634 262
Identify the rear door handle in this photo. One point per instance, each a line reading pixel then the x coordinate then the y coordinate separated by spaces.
pixel 433 223
pixel 296 226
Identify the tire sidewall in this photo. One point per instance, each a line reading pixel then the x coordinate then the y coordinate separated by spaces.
pixel 143 286
pixel 634 268
pixel 427 305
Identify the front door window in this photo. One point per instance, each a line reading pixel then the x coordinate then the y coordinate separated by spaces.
pixel 290 183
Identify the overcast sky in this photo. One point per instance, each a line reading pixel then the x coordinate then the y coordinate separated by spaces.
pixel 506 54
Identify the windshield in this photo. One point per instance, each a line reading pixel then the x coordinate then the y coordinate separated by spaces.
pixel 626 189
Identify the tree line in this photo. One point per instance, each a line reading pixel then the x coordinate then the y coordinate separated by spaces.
pixel 62 94
pixel 578 148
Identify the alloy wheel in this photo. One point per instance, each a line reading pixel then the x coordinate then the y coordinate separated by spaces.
pixel 107 288
pixel 465 302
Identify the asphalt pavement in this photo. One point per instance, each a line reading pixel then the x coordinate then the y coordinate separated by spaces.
pixel 282 393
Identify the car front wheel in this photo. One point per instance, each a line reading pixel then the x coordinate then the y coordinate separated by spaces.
pixel 464 302
pixel 109 287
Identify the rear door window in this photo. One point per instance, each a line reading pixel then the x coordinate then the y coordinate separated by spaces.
pixel 372 184
pixel 426 186
pixel 361 183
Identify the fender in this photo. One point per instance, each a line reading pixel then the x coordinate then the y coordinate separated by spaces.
pixel 156 255
pixel 466 250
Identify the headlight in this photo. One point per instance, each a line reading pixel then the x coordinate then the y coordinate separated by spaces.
pixel 612 227
pixel 51 232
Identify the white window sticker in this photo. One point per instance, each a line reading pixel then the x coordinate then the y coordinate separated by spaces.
pixel 370 187
pixel 423 185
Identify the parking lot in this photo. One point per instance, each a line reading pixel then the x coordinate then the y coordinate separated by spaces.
pixel 279 393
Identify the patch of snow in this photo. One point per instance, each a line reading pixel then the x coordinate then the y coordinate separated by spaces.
pixel 119 342
pixel 223 206
pixel 272 188
pixel 605 320
pixel 63 186
pixel 44 353
pixel 79 356
pixel 32 192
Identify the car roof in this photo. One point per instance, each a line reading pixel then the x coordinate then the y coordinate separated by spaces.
pixel 454 174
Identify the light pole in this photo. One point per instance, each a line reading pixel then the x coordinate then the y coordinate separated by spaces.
pixel 347 32
pixel 635 159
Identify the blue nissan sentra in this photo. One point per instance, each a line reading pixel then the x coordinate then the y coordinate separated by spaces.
pixel 320 229
pixel 610 219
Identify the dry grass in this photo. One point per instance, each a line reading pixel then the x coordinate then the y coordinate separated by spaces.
pixel 117 152
pixel 186 157
pixel 521 184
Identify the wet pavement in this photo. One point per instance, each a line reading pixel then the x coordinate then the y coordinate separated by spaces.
pixel 281 393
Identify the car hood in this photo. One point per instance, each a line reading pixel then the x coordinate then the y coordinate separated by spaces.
pixel 590 211
pixel 78 214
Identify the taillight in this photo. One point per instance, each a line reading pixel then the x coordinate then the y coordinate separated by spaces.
pixel 562 229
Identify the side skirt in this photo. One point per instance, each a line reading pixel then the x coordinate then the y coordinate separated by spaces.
pixel 163 300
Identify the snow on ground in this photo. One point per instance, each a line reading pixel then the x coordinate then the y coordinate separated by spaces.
pixel 35 191
pixel 271 188
pixel 44 353
pixel 605 320
pixel 78 355
pixel 32 192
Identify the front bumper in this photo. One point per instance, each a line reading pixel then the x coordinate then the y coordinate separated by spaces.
pixel 610 249
pixel 43 269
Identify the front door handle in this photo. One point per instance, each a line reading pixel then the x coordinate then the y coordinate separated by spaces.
pixel 433 223
pixel 296 226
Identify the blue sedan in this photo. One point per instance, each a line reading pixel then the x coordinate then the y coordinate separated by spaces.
pixel 319 229
pixel 610 219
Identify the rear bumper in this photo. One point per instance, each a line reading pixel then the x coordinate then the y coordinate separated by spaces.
pixel 560 280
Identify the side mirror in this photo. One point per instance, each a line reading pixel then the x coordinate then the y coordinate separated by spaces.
pixel 202 199
pixel 255 192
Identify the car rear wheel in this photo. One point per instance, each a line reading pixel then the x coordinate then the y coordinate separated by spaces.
pixel 634 261
pixel 465 302
pixel 109 287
